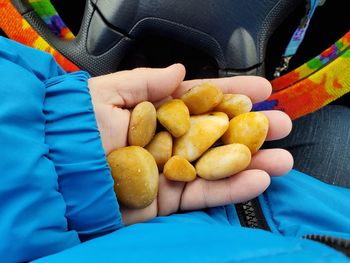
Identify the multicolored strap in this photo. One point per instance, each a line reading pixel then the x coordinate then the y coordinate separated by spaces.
pixel 314 84
pixel 17 28
pixel 312 65
pixel 49 15
pixel 298 36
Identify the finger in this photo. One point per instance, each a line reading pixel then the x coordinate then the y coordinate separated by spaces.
pixel 132 216
pixel 237 188
pixel 280 124
pixel 256 88
pixel 143 84
pixel 169 196
pixel 275 162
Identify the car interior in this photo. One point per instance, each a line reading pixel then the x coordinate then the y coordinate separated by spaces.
pixel 329 23
pixel 231 37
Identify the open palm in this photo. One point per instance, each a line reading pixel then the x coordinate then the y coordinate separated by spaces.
pixel 115 94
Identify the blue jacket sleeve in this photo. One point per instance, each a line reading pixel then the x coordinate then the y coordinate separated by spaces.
pixel 55 181
pixel 32 209
pixel 75 147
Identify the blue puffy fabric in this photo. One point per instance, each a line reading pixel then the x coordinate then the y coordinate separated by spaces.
pixel 297 205
pixel 51 159
pixel 84 177
pixel 215 235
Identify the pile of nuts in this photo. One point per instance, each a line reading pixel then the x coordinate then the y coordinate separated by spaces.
pixel 205 133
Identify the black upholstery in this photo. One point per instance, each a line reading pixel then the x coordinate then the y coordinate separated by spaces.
pixel 233 32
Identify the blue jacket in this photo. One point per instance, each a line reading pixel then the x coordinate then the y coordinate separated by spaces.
pixel 57 202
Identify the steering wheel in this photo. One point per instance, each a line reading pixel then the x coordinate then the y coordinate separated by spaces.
pixel 233 32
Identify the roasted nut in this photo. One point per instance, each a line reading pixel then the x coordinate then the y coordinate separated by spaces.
pixel 143 124
pixel 204 131
pixel 161 148
pixel 135 175
pixel 249 129
pixel 223 161
pixel 234 105
pixel 202 98
pixel 179 169
pixel 174 116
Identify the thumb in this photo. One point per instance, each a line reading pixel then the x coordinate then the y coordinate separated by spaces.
pixel 154 84
pixel 151 84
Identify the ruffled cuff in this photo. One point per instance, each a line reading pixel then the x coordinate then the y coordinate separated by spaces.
pixel 76 150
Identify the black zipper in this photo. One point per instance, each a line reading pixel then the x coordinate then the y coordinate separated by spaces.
pixel 250 215
pixel 340 244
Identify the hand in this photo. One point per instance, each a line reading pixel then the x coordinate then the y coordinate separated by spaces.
pixel 113 95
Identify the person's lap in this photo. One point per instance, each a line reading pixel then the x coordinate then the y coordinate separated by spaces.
pixel 319 143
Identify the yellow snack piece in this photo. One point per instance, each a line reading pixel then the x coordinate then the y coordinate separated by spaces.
pixel 161 148
pixel 223 161
pixel 135 175
pixel 174 116
pixel 234 105
pixel 249 129
pixel 143 124
pixel 202 98
pixel 179 169
pixel 204 131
